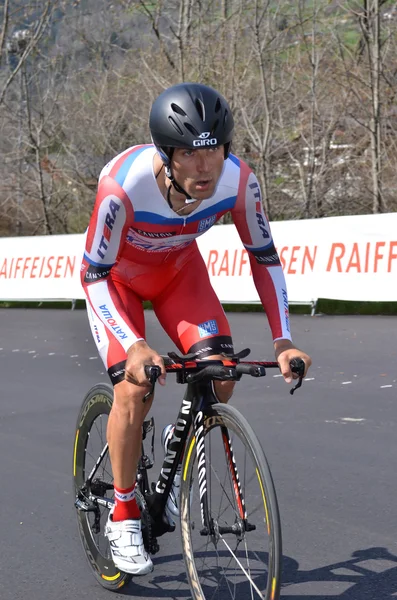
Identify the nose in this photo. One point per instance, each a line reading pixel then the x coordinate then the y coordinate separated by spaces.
pixel 202 161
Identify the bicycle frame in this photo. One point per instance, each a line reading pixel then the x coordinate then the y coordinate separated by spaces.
pixel 200 413
pixel 198 397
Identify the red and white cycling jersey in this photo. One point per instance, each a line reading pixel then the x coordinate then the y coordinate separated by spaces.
pixel 134 236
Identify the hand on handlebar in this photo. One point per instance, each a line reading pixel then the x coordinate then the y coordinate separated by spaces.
pixel 140 355
pixel 285 353
pixel 189 370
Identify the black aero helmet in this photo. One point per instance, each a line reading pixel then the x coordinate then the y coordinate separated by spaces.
pixel 190 115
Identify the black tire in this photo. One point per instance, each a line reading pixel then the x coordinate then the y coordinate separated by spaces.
pixel 92 420
pixel 211 559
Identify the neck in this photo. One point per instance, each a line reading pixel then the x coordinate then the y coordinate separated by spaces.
pixel 173 195
pixel 178 202
pixel 176 197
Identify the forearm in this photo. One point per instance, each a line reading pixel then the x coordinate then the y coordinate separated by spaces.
pixel 272 291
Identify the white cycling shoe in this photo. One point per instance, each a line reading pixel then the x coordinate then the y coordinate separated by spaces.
pixel 172 507
pixel 126 544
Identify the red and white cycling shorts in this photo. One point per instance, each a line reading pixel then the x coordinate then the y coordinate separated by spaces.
pixel 183 300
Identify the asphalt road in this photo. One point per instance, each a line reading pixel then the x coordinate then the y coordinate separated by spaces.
pixel 331 447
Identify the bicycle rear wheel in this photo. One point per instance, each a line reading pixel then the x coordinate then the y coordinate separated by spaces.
pixel 239 554
pixel 90 440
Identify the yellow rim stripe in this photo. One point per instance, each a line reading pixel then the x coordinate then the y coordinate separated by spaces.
pixel 75 452
pixel 111 578
pixel 264 501
pixel 273 588
pixel 188 458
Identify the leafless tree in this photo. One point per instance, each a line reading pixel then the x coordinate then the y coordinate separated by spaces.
pixel 306 99
pixel 23 41
pixel 365 80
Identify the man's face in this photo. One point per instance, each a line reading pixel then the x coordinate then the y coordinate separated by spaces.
pixel 198 171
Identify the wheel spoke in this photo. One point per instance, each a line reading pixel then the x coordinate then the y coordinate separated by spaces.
pixel 224 573
pixel 253 584
pixel 224 490
pixel 233 561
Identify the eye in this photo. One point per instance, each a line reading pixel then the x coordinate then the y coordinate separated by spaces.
pixel 188 153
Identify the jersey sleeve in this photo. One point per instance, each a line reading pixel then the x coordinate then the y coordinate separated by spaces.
pixel 112 216
pixel 254 230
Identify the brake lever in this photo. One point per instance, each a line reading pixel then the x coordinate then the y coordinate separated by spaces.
pixel 298 385
pixel 152 373
pixel 297 366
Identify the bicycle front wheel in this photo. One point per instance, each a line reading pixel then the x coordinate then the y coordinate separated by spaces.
pixel 233 550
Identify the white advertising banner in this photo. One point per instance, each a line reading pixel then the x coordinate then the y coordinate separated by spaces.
pixel 357 258
pixel 41 268
pixel 343 258
pixel 229 266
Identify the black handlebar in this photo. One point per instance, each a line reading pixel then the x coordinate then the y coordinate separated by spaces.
pixel 199 372
pixel 219 372
pixel 253 370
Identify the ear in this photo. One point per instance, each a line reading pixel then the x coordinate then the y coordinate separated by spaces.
pixel 165 154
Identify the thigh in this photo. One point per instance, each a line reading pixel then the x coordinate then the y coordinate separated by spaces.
pixel 191 314
pixel 110 350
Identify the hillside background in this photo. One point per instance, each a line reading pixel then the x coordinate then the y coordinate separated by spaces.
pixel 312 85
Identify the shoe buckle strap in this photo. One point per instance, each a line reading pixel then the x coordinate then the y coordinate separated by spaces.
pixel 125 538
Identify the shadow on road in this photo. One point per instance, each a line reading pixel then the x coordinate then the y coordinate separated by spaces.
pixel 370 574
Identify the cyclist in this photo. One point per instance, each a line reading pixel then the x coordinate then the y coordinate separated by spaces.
pixel 153 201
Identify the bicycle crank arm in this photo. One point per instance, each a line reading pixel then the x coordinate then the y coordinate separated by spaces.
pixel 85 506
pixel 90 505
pixel 103 502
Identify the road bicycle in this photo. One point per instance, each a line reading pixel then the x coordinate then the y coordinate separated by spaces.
pixel 229 516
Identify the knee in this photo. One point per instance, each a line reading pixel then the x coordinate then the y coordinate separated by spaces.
pixel 128 402
pixel 224 390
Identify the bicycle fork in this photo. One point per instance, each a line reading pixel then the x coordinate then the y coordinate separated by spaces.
pixel 210 526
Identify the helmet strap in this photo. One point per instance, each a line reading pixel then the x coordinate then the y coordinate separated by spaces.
pixel 180 189
pixel 176 185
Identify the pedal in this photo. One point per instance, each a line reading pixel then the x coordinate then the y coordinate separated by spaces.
pixel 154 547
